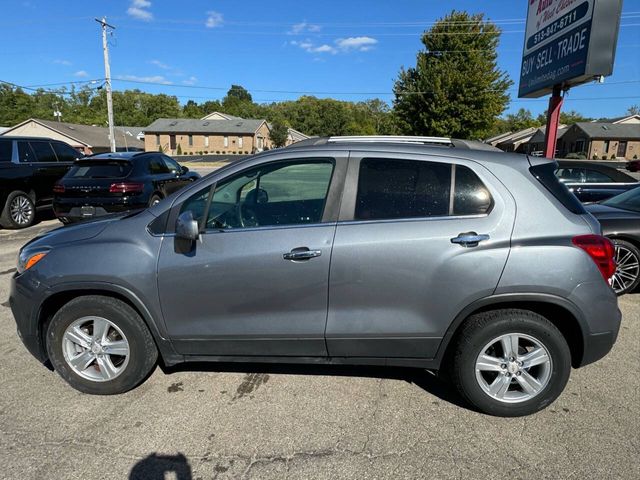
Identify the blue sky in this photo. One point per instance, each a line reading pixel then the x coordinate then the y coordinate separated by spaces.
pixel 349 50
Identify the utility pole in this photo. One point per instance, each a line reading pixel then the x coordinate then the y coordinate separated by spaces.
pixel 107 76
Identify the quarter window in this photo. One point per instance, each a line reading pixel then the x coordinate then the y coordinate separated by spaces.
pixel 470 197
pixel 65 153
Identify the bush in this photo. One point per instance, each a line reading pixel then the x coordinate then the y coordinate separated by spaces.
pixel 179 150
pixel 576 156
pixel 206 152
pixel 595 157
pixel 613 156
pixel 635 157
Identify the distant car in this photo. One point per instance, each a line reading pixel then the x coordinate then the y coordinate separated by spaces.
pixel 619 217
pixel 633 165
pixel 29 168
pixel 593 182
pixel 117 182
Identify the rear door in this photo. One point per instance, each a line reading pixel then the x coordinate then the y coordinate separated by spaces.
pixel 419 238
pixel 46 169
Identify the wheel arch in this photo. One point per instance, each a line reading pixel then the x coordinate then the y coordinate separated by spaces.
pixel 562 313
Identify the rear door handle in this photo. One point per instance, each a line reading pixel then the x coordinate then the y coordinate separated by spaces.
pixel 469 239
pixel 302 253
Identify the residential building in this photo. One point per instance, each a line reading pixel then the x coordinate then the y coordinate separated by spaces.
pixel 87 139
pixel 603 140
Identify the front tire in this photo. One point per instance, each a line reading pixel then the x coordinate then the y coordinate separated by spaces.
pixel 627 276
pixel 100 345
pixel 19 211
pixel 510 362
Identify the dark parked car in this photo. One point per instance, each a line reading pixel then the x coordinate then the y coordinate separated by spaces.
pixel 633 165
pixel 369 251
pixel 117 182
pixel 619 217
pixel 593 182
pixel 29 168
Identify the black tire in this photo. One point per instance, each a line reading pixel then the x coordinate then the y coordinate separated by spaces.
pixel 155 198
pixel 12 219
pixel 618 283
pixel 482 328
pixel 143 353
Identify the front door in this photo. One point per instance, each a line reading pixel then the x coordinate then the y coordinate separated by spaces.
pixel 418 240
pixel 257 281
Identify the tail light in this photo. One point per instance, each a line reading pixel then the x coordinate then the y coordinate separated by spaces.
pixel 126 188
pixel 601 251
pixel 58 188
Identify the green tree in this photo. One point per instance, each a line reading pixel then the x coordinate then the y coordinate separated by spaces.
pixel 238 92
pixel 456 88
pixel 278 133
pixel 192 110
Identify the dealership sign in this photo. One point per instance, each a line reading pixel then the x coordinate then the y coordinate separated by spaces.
pixel 568 42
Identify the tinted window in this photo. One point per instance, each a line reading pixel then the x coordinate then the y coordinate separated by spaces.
pixel 25 154
pixel 471 197
pixel 629 200
pixel 65 153
pixel 545 174
pixel 171 164
pixel 571 175
pixel 100 170
pixel 5 150
pixel 43 152
pixel 267 195
pixel 156 165
pixel 402 189
pixel 594 176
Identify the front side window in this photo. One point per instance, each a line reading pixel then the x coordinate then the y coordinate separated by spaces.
pixel 171 164
pixel 594 176
pixel 275 194
pixel 43 152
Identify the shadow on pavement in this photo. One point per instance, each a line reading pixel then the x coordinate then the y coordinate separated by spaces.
pixel 160 467
pixel 424 379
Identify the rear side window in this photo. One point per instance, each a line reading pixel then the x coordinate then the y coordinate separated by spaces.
pixel 43 152
pixel 545 174
pixel 65 153
pixel 157 165
pixel 6 150
pixel 100 170
pixel 389 189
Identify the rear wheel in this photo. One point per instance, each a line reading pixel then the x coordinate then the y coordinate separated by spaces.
pixel 627 276
pixel 510 362
pixel 19 211
pixel 100 345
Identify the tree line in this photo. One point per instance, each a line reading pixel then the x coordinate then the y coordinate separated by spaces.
pixel 455 89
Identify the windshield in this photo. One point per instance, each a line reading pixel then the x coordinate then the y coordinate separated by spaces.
pixel 100 170
pixel 629 200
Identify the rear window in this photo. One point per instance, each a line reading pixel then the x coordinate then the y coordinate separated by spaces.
pixel 100 170
pixel 545 174
pixel 5 150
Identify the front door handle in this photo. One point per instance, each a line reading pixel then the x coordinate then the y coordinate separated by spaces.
pixel 469 239
pixel 302 253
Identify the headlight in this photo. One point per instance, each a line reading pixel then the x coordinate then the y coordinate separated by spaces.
pixel 27 259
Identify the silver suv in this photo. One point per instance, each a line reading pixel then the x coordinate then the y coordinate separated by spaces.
pixel 410 251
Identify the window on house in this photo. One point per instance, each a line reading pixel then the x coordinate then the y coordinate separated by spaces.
pixel 191 140
pixel 226 142
pixel 157 140
pixel 206 141
pixel 606 146
pixel 240 142
pixel 580 145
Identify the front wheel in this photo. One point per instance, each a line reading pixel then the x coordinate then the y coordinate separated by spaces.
pixel 100 345
pixel 510 362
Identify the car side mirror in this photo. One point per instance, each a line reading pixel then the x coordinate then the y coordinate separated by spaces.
pixel 184 170
pixel 187 226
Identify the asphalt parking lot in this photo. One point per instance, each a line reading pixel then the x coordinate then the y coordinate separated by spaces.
pixel 220 421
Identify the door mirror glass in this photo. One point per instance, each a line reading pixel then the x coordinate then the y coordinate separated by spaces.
pixel 187 226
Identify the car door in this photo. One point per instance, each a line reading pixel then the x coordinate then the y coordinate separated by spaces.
pixel 179 180
pixel 418 239
pixel 44 163
pixel 598 186
pixel 257 281
pixel 164 181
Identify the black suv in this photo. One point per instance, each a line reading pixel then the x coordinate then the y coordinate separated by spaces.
pixel 29 167
pixel 116 182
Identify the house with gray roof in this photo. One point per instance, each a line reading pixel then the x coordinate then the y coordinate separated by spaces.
pixel 214 134
pixel 86 138
pixel 603 140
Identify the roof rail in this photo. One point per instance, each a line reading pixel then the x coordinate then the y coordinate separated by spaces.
pixel 391 139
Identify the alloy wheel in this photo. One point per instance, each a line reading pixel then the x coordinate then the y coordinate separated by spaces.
pixel 627 269
pixel 21 210
pixel 95 349
pixel 513 368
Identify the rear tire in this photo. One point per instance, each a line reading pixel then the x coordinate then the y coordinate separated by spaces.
pixel 100 345
pixel 627 276
pixel 19 211
pixel 502 383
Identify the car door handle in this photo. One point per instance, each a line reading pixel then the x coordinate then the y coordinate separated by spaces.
pixel 469 239
pixel 302 253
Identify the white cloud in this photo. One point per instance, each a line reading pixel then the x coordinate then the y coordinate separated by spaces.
pixel 190 81
pixel 66 63
pixel 361 44
pixel 81 74
pixel 139 9
pixel 214 19
pixel 160 64
pixel 151 79
pixel 310 47
pixel 302 27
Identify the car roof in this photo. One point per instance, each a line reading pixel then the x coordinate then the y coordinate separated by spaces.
pixel 362 140
pixel 116 155
pixel 40 139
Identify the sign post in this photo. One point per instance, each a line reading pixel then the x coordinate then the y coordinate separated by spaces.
pixel 567 43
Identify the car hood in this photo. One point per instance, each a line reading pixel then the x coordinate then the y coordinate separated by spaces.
pixel 605 212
